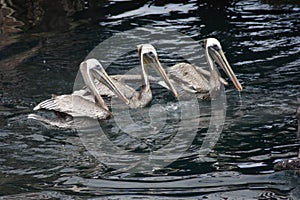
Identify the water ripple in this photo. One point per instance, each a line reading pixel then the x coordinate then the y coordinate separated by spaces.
pixel 261 40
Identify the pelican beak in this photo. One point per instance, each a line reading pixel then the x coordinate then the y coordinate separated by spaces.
pixel 149 56
pixel 99 73
pixel 157 66
pixel 220 58
pixel 142 49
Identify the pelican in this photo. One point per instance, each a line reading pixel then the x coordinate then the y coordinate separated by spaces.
pixel 193 79
pixel 131 97
pixel 78 104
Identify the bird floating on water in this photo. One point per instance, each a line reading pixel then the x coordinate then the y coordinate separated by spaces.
pixel 193 78
pixel 79 104
pixel 134 99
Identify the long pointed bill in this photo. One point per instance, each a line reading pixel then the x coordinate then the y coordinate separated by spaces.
pixel 100 74
pixel 85 67
pixel 157 66
pixel 220 58
pixel 145 51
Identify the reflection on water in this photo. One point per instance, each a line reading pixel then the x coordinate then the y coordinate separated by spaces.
pixel 40 56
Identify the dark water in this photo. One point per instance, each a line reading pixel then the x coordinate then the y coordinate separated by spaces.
pixel 40 54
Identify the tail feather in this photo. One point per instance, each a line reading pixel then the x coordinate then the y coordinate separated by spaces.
pixel 34 116
pixel 52 124
pixel 49 104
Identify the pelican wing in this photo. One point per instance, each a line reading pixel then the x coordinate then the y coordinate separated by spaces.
pixel 74 105
pixel 187 75
pixel 207 73
pixel 131 77
pixel 105 91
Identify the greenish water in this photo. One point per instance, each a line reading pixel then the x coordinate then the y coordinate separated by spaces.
pixel 40 54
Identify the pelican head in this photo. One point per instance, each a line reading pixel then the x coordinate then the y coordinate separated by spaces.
pixel 91 69
pixel 148 55
pixel 213 50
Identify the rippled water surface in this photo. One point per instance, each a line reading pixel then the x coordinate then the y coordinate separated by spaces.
pixel 40 55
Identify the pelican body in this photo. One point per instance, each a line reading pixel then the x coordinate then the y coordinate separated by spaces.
pixel 194 79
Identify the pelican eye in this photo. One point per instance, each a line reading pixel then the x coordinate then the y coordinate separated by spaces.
pixel 150 54
pixel 216 47
pixel 149 57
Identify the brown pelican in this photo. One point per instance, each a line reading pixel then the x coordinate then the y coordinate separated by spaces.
pixel 78 104
pixel 134 99
pixel 193 79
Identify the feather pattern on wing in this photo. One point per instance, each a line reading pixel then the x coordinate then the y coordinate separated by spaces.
pixel 74 105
